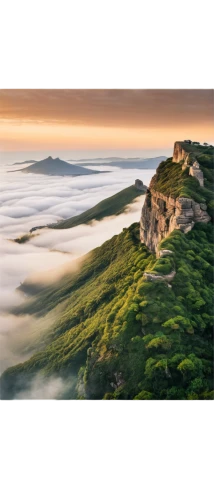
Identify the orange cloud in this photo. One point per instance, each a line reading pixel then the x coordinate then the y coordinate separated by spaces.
pixel 96 119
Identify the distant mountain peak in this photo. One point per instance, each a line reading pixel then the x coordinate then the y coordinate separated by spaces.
pixel 56 166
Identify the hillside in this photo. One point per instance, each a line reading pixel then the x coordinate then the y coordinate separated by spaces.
pixel 51 166
pixel 131 323
pixel 114 205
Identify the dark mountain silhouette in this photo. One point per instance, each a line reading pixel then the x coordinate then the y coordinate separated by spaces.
pixel 108 158
pixel 129 162
pixel 51 166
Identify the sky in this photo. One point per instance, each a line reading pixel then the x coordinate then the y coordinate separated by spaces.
pixel 103 120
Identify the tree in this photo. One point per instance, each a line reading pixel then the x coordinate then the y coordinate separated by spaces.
pixel 144 395
pixel 176 393
pixel 109 395
pixel 186 366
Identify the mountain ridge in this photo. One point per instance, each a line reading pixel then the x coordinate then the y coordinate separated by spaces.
pixel 111 206
pixel 147 163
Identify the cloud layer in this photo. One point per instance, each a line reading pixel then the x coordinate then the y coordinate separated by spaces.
pixel 29 200
pixel 81 239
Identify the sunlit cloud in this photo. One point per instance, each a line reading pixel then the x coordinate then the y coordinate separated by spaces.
pixel 98 119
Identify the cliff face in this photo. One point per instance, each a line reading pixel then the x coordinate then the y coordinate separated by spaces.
pixel 183 151
pixel 162 214
pixel 180 151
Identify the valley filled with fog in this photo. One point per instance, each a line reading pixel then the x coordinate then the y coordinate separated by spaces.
pixel 28 200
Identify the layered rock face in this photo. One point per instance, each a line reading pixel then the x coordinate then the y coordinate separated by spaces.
pixel 195 171
pixel 162 214
pixel 179 152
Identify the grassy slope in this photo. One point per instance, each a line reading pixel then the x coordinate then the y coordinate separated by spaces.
pixel 171 180
pixel 114 205
pixel 117 335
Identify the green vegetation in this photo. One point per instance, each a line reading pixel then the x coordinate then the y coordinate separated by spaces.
pixel 117 335
pixel 172 181
pixel 114 205
pixel 23 239
pixel 120 336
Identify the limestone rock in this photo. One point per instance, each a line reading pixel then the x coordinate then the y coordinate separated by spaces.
pixel 118 380
pixel 186 163
pixel 161 215
pixel 200 215
pixel 196 172
pixel 162 253
pixel 160 277
pixel 179 152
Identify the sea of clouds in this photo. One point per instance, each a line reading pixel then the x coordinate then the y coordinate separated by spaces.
pixel 29 200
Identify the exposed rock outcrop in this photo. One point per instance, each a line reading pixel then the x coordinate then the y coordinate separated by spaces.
pixel 180 151
pixel 162 214
pixel 195 171
pixel 160 277
pixel 164 252
pixel 118 380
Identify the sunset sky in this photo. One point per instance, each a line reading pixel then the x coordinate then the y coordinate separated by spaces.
pixel 35 120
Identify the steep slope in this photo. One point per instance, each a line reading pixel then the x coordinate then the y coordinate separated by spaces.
pixel 132 324
pixel 51 166
pixel 179 195
pixel 114 205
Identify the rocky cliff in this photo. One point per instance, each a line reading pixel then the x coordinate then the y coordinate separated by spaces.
pixel 180 151
pixel 162 213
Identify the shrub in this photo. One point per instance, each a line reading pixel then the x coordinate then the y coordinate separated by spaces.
pixel 144 395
